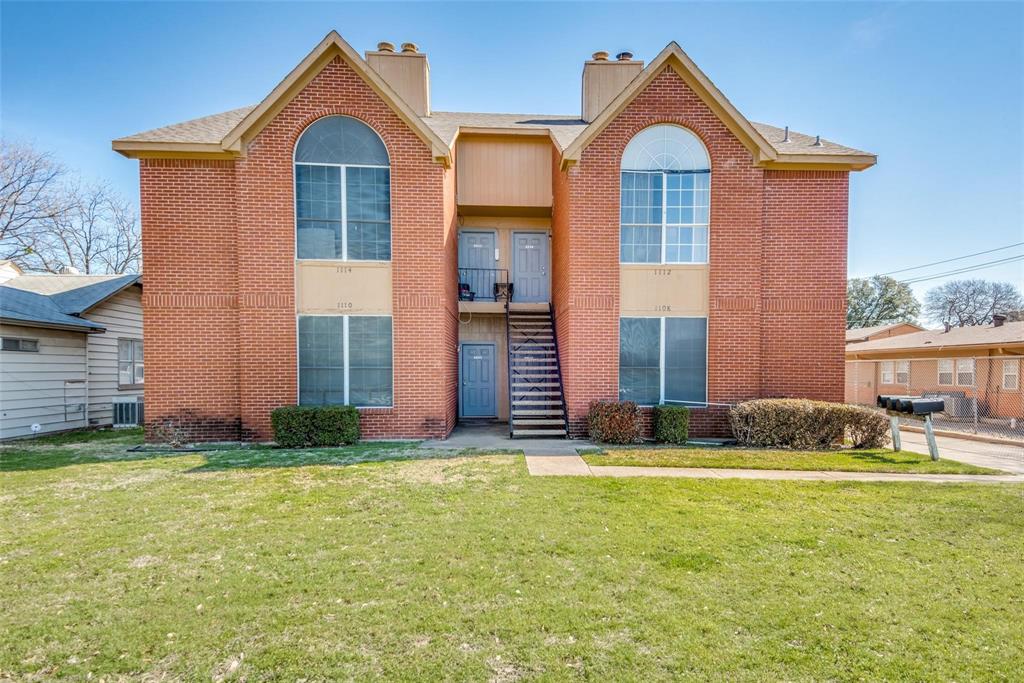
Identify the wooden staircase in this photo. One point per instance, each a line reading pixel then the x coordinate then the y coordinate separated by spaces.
pixel 536 400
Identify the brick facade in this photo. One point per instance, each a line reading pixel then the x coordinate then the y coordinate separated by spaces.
pixel 219 303
pixel 219 248
pixel 777 266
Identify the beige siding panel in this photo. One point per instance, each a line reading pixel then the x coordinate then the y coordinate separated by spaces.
pixel 343 287
pixel 121 314
pixel 37 387
pixel 477 327
pixel 669 290
pixel 503 171
pixel 603 81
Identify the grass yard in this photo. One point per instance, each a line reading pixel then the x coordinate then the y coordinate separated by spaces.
pixel 387 562
pixel 876 460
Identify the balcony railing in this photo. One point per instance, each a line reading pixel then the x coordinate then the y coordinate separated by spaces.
pixel 484 284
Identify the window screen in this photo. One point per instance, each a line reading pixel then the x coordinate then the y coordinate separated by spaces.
pixel 945 372
pixel 324 378
pixel 321 360
pixel 640 360
pixel 369 360
pixel 686 359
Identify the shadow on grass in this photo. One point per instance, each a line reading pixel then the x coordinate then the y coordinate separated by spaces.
pixel 108 446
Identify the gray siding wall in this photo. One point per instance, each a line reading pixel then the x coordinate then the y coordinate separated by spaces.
pixel 42 386
pixel 121 314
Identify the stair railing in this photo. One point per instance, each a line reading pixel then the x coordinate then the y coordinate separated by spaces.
pixel 508 361
pixel 558 368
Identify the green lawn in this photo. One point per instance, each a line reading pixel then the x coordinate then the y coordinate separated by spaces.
pixel 877 460
pixel 224 566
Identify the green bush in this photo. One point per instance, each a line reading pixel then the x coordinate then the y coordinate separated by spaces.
pixel 306 426
pixel 614 422
pixel 804 424
pixel 671 424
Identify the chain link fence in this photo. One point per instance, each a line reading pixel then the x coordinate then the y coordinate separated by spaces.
pixel 983 395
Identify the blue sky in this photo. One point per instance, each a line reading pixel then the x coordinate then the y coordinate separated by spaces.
pixel 935 89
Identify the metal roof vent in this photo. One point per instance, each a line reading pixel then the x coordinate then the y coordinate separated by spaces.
pixel 385 46
pixel 600 56
pixel 786 137
pixel 624 56
pixel 817 141
pixel 410 47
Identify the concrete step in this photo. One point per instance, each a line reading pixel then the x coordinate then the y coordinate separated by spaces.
pixel 526 433
pixel 536 412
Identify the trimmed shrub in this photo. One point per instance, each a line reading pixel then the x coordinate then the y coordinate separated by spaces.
pixel 306 426
pixel 671 424
pixel 614 422
pixel 803 424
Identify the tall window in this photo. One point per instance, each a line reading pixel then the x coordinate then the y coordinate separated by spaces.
pixel 342 192
pixel 665 197
pixel 1011 375
pixel 345 359
pixel 663 360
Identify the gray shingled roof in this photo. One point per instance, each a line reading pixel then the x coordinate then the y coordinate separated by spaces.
pixel 59 300
pixel 564 128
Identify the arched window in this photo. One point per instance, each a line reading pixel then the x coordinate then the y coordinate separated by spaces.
pixel 665 199
pixel 342 192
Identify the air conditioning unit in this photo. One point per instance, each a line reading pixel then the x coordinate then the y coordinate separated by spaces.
pixel 128 411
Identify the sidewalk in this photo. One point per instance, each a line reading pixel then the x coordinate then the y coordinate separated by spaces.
pixel 575 466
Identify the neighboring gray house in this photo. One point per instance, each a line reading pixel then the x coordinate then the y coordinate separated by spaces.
pixel 71 351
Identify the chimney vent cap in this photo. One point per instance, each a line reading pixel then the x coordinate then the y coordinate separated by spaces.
pixel 624 56
pixel 601 56
pixel 410 47
pixel 998 319
pixel 384 46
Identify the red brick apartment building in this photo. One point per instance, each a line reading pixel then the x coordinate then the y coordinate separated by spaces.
pixel 340 242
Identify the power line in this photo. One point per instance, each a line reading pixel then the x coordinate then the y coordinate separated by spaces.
pixel 968 269
pixel 949 260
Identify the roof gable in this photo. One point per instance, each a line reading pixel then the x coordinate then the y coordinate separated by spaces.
pixel 59 300
pixel 333 45
pixel 763 152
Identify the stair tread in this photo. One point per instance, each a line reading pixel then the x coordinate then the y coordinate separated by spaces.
pixel 537 432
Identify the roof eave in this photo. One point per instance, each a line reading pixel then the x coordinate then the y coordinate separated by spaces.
pixel 136 280
pixel 139 149
pixel 674 57
pixel 331 46
pixel 88 328
pixel 820 162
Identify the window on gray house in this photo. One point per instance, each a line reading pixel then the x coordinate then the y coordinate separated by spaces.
pixel 130 366
pixel 342 192
pixel 18 344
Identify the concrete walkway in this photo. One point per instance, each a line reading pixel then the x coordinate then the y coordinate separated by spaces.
pixel 575 466
pixel 997 456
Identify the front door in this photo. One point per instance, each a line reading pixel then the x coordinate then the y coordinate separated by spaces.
pixel 477 372
pixel 530 265
pixel 476 263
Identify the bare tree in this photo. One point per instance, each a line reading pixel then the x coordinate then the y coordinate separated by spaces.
pixel 28 183
pixel 49 222
pixel 96 232
pixel 971 302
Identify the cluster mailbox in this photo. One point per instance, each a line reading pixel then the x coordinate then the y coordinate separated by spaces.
pixel 915 405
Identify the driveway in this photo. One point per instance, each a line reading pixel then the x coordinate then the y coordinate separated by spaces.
pixel 998 456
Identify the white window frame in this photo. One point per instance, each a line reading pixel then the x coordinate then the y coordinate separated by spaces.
pixel 344 355
pixel 965 361
pixel 344 211
pixel 887 372
pixel 664 218
pixel 1013 363
pixel 133 361
pixel 24 344
pixel 941 370
pixel 903 368
pixel 661 362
